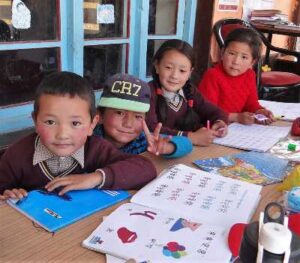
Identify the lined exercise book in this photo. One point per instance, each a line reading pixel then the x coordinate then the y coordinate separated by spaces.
pixel 282 110
pixel 53 212
pixel 253 137
pixel 182 216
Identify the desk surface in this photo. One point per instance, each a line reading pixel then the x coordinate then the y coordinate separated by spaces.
pixel 21 241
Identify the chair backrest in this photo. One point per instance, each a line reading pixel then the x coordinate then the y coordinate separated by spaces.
pixel 225 26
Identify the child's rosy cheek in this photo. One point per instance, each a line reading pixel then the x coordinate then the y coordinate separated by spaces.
pixel 43 133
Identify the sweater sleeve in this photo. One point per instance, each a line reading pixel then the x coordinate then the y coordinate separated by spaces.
pixel 183 146
pixel 209 87
pixel 122 171
pixel 209 111
pixel 8 177
pixel 252 104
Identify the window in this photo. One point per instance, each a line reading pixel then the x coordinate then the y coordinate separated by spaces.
pixel 93 38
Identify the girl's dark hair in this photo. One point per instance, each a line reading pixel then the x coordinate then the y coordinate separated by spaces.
pixel 191 120
pixel 62 84
pixel 247 36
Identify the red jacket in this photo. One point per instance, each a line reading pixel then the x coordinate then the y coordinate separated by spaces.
pixel 232 94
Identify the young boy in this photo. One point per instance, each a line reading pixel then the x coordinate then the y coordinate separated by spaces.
pixel 62 154
pixel 122 108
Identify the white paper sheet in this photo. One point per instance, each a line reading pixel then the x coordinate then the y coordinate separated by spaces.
pixel 283 110
pixel 253 137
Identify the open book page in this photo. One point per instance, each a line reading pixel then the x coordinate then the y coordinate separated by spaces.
pixel 200 196
pixel 247 166
pixel 54 212
pixel 147 234
pixel 282 110
pixel 281 149
pixel 253 137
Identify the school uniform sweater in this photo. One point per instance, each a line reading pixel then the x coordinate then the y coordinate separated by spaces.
pixel 204 109
pixel 122 171
pixel 232 94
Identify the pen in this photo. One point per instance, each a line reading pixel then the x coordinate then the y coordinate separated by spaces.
pixel 279 117
pixel 208 124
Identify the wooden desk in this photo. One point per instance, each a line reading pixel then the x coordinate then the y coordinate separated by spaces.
pixel 20 241
pixel 293 31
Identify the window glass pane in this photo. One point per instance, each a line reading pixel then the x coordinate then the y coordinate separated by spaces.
pixel 159 10
pixel 105 18
pixel 153 46
pixel 102 61
pixel 28 20
pixel 22 70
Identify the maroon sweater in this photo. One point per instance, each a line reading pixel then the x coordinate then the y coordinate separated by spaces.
pixel 123 171
pixel 204 109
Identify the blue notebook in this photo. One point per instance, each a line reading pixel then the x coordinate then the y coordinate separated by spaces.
pixel 252 167
pixel 54 212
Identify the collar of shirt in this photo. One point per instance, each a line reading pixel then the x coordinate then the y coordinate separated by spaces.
pixel 41 153
pixel 171 96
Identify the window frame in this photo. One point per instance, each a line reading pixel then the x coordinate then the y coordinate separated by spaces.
pixel 71 44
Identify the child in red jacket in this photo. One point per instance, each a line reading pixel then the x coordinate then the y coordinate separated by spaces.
pixel 231 84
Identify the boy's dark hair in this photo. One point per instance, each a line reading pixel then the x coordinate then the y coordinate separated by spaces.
pixel 62 84
pixel 247 36
pixel 191 120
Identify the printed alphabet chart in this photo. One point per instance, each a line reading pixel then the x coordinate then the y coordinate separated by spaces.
pixel 200 196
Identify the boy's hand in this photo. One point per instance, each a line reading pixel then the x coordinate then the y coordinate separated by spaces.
pixel 156 143
pixel 202 137
pixel 220 128
pixel 75 182
pixel 14 193
pixel 246 118
pixel 268 114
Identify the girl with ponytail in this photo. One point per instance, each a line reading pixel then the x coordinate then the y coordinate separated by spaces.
pixel 176 103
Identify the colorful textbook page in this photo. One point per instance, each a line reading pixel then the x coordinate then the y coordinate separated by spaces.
pixel 252 167
pixel 259 138
pixel 182 216
pixel 54 212
pixel 150 235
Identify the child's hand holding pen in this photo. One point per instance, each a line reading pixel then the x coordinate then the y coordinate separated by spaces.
pixel 202 137
pixel 220 128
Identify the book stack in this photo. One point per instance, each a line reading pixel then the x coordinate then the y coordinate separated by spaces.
pixel 268 16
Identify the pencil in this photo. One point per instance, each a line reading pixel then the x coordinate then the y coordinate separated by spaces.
pixel 208 124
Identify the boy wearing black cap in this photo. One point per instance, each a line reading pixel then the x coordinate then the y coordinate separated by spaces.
pixel 122 109
pixel 62 153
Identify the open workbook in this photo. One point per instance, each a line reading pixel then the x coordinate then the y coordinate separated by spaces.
pixel 254 137
pixel 53 212
pixel 184 215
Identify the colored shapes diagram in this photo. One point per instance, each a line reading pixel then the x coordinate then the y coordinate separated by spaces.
pixel 173 249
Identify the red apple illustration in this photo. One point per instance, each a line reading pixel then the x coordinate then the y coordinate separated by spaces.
pixel 126 235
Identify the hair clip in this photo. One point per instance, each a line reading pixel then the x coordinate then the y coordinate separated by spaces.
pixel 159 92
pixel 191 103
